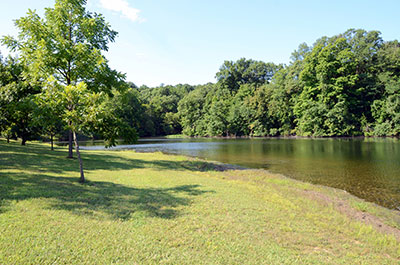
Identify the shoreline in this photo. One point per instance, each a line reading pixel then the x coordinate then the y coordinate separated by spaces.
pixel 221 164
pixel 342 205
pixel 166 137
pixel 275 137
pixel 339 201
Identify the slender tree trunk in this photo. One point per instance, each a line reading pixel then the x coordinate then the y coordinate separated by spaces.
pixel 51 141
pixel 82 178
pixel 23 140
pixel 8 138
pixel 70 152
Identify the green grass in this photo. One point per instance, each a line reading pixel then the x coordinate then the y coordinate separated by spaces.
pixel 176 136
pixel 151 208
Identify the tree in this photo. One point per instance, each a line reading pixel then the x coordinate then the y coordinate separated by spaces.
pixel 261 122
pixel 233 74
pixel 162 107
pixel 66 44
pixel 129 108
pixel 16 101
pixel 218 113
pixel 191 110
pixel 240 114
pixel 47 116
pixel 284 90
pixel 340 83
pixel 85 111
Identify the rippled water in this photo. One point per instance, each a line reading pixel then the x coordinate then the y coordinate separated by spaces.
pixel 367 168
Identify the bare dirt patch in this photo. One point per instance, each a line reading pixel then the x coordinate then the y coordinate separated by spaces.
pixel 343 207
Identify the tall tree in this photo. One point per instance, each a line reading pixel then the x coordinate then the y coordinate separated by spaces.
pixel 191 110
pixel 217 117
pixel 232 75
pixel 339 84
pixel 66 44
pixel 386 110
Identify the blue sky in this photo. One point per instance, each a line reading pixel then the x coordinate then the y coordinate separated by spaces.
pixel 186 41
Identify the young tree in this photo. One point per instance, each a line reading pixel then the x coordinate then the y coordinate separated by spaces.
pixel 66 44
pixel 84 111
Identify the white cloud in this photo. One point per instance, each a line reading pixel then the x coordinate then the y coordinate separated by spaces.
pixel 122 6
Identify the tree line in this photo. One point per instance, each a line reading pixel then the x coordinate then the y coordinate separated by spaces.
pixel 345 85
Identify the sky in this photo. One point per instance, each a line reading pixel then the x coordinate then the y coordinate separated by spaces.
pixel 186 41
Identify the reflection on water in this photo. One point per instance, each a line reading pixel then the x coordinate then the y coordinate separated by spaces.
pixel 367 168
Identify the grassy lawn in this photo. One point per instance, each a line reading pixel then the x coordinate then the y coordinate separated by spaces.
pixel 176 136
pixel 151 208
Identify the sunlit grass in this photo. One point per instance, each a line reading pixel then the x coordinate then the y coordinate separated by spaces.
pixel 176 136
pixel 151 208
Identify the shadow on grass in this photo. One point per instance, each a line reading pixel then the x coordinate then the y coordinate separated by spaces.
pixel 39 158
pixel 95 198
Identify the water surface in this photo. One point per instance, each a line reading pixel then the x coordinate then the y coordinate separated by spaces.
pixel 367 168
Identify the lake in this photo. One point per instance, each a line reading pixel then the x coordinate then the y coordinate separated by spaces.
pixel 368 168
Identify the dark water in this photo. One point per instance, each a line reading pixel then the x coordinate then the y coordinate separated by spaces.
pixel 367 168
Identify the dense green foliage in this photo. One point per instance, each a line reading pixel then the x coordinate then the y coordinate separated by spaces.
pixel 16 102
pixel 66 44
pixel 345 85
pixel 161 108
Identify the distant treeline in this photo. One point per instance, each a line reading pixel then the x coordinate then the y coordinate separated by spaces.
pixel 345 85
